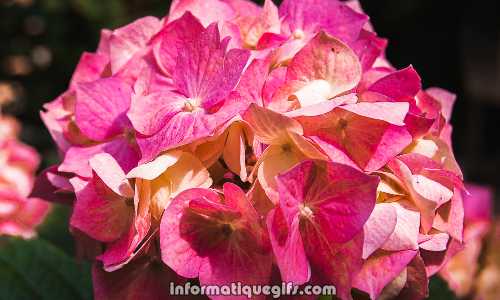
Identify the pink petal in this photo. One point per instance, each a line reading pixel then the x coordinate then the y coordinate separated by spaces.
pixel 100 213
pixel 108 170
pixel 339 197
pixel 399 85
pixel 379 227
pixel 126 41
pixel 207 11
pixel 76 159
pixel 369 47
pixel 380 269
pixel 477 203
pixel 176 252
pixel 205 72
pixel 445 98
pixel 288 247
pixel 171 37
pixel 101 107
pixel 150 113
pixel 435 242
pixel 270 127
pixel 90 67
pixel 369 142
pixel 405 234
pixel 333 17
pixel 324 59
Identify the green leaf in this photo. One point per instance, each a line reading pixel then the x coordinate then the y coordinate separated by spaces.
pixel 35 269
pixel 439 290
pixel 55 229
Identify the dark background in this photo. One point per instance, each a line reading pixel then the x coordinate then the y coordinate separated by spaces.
pixel 452 44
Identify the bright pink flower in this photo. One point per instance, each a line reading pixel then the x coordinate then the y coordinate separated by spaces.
pixel 19 213
pixel 219 240
pixel 317 225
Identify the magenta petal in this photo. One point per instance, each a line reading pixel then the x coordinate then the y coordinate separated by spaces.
pixel 340 198
pixel 171 37
pixel 369 47
pixel 478 203
pixel 185 127
pixel 100 213
pixel 380 269
pixel 288 248
pixel 379 226
pixel 399 85
pixel 101 106
pixel 89 68
pixel 205 72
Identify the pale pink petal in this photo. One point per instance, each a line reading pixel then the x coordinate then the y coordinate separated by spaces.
pixel 207 11
pixel 435 242
pixel 270 127
pixel 326 68
pixel 108 170
pixel 379 227
pixel 405 234
pixel 156 167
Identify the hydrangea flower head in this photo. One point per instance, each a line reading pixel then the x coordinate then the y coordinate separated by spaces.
pixel 228 142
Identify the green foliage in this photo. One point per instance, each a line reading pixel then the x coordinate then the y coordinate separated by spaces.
pixel 35 269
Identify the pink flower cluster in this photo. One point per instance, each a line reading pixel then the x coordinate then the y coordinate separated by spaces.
pixel 229 142
pixel 19 214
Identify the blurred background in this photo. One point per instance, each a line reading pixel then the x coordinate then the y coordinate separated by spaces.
pixel 452 44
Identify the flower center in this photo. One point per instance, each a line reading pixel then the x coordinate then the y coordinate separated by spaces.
pixel 298 34
pixel 305 211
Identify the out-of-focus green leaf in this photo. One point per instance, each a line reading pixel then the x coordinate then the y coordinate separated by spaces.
pixel 439 290
pixel 35 269
pixel 55 229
